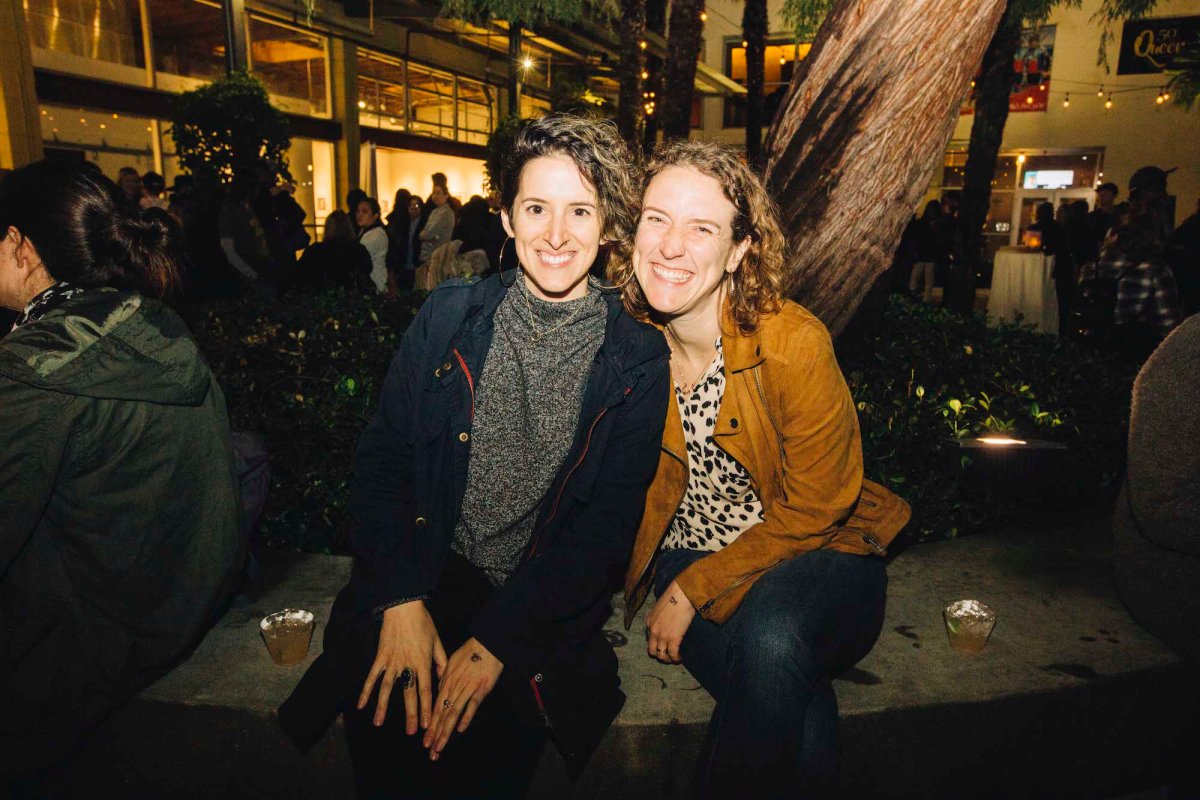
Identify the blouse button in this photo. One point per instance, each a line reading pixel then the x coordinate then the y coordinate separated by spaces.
pixel 464 436
pixel 733 423
pixel 446 367
pixel 419 522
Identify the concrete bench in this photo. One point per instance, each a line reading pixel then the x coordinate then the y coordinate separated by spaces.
pixel 1070 698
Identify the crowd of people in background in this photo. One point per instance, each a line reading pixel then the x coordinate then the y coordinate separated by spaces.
pixel 1123 273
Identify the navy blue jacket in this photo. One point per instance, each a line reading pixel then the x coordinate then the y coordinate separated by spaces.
pixel 411 475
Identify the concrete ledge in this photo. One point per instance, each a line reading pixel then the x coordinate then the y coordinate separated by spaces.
pixel 1071 697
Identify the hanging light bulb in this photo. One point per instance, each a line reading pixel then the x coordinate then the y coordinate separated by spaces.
pixel 782 60
pixel 1166 95
pixel 704 16
pixel 1067 100
pixel 745 44
pixel 1159 98
pixel 1029 100
pixel 1108 104
pixel 1100 92
pixel 645 75
pixel 642 44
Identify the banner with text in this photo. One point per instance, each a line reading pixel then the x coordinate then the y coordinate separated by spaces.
pixel 1150 46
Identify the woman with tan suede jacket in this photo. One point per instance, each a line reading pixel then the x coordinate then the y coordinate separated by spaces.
pixel 760 536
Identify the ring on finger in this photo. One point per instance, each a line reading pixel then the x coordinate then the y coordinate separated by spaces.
pixel 408 679
pixel 447 705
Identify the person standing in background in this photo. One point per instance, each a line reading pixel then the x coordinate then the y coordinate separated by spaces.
pixel 440 225
pixel 371 235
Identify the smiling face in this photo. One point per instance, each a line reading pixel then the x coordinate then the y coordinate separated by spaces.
pixel 556 227
pixel 684 245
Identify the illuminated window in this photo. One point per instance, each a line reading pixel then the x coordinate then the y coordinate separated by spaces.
pixel 293 65
pixel 108 31
pixel 431 101
pixel 188 41
pixel 380 91
pixel 779 63
pixel 476 111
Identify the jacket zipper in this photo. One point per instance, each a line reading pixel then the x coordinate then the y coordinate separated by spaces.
pixel 763 397
pixel 470 381
pixel 709 604
pixel 537 698
pixel 554 509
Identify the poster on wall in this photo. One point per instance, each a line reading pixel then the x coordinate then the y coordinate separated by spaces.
pixel 1149 46
pixel 1030 89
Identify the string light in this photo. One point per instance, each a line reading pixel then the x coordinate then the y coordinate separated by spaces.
pixel 704 16
pixel 782 60
pixel 1108 103
pixel 1159 98
pixel 1100 91
pixel 1067 101
pixel 645 75
pixel 1029 100
pixel 745 44
pixel 642 44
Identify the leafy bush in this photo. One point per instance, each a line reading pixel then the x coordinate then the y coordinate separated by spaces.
pixel 228 125
pixel 928 375
pixel 306 372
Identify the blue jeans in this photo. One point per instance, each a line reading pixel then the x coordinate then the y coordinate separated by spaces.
pixel 769 667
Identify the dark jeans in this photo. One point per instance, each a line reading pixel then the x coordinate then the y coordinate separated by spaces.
pixel 494 758
pixel 769 668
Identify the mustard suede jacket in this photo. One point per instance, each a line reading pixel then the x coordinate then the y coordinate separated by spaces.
pixel 788 419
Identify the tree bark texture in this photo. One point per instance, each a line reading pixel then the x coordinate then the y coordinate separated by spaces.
pixel 514 68
pixel 992 89
pixel 683 50
pixel 629 100
pixel 863 124
pixel 656 22
pixel 754 31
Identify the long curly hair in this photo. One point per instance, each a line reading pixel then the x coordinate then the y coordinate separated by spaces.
pixel 757 287
pixel 605 161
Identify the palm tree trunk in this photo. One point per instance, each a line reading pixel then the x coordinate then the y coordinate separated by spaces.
pixel 992 90
pixel 754 31
pixel 864 123
pixel 629 101
pixel 656 22
pixel 683 50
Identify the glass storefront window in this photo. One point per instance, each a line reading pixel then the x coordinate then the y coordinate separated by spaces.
pixel 431 99
pixel 476 107
pixel 380 91
pixel 110 140
pixel 187 41
pixel 293 64
pixel 1075 171
pixel 534 107
pixel 98 38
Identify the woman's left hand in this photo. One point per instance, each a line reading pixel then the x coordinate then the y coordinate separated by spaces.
pixel 469 677
pixel 667 623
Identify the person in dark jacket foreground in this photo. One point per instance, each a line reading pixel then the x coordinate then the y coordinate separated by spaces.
pixel 118 498
pixel 495 498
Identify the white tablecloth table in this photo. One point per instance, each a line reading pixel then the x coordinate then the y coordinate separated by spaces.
pixel 1023 281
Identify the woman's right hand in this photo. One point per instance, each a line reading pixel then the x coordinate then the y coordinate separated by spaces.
pixel 408 639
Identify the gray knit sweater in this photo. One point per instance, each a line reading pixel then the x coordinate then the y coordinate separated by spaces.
pixel 527 405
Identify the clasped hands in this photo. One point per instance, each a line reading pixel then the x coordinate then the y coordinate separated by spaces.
pixel 408 640
pixel 667 623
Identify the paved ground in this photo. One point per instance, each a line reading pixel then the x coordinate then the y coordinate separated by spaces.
pixel 1070 698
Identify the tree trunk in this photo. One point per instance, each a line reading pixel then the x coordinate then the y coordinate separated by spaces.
pixel 629 101
pixel 992 89
pixel 754 31
pixel 514 68
pixel 683 50
pixel 656 22
pixel 864 123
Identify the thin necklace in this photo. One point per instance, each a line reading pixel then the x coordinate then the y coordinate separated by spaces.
pixel 538 335
pixel 685 386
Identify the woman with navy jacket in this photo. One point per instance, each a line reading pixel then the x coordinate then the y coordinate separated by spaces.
pixel 496 495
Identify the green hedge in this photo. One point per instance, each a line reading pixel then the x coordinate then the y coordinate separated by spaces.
pixel 305 372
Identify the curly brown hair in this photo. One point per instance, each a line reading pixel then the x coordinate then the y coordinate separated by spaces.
pixel 605 161
pixel 757 287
